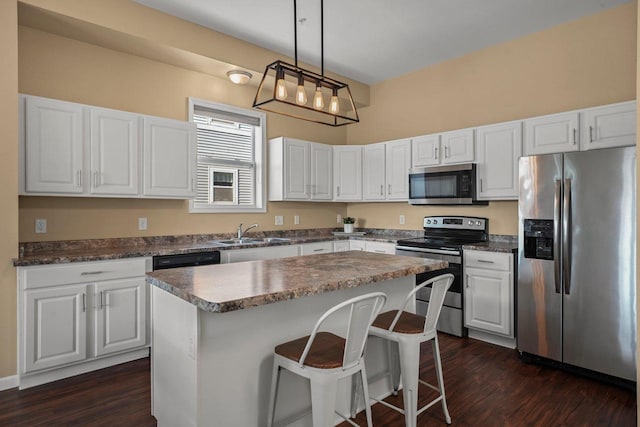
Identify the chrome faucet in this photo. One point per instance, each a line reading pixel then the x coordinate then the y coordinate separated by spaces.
pixel 241 233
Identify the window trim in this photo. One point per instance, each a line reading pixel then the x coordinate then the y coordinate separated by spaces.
pixel 260 157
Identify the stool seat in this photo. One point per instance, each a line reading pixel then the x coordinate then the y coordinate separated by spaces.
pixel 326 352
pixel 408 323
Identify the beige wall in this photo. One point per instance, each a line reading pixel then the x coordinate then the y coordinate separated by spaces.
pixel 587 62
pixel 62 68
pixel 9 187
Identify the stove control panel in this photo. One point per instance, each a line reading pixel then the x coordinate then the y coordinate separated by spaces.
pixel 455 222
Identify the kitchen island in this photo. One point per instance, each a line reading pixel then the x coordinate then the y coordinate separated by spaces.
pixel 214 329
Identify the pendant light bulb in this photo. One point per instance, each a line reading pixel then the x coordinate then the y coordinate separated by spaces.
pixel 301 94
pixel 281 87
pixel 334 105
pixel 318 100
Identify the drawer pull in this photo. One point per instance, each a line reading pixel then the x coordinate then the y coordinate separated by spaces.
pixel 318 250
pixel 84 302
pixel 486 261
pixel 92 273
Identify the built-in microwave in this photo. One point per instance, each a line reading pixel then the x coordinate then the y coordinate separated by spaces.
pixel 444 185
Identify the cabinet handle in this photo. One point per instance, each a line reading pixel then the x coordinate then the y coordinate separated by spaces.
pixel 338 191
pixel 95 179
pixel 79 173
pixel 436 152
pixel 389 189
pixel 101 300
pixel 590 133
pixel 575 136
pixel 90 273
pixel 486 261
pixel 481 185
pixel 318 250
pixel 446 151
pixel 84 302
pixel 381 190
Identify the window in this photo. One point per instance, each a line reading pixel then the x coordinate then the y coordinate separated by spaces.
pixel 230 158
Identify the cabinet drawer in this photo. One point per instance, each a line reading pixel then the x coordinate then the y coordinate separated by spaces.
pixel 488 260
pixel 316 248
pixel 381 247
pixel 82 272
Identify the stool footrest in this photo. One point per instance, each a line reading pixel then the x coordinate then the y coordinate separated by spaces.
pixel 429 405
pixel 432 387
pixel 389 405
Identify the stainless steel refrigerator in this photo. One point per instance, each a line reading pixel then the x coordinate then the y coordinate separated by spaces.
pixel 577 260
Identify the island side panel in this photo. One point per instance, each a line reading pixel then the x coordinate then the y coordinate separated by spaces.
pixel 235 356
pixel 173 360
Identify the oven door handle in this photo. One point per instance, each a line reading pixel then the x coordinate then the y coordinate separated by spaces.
pixel 428 251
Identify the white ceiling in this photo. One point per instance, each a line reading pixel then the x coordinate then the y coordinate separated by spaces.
pixel 375 40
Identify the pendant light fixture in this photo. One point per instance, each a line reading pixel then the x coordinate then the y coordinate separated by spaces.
pixel 274 94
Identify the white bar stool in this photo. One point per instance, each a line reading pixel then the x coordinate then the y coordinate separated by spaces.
pixel 409 330
pixel 325 358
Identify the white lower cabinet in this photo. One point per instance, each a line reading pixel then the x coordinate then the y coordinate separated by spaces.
pixel 341 246
pixel 488 292
pixel 356 245
pixel 73 317
pixel 316 248
pixel 252 254
pixel 380 247
pixel 120 321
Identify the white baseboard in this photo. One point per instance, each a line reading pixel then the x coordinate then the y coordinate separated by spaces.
pixel 8 382
pixel 492 338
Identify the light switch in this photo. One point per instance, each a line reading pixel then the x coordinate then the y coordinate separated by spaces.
pixel 296 219
pixel 401 219
pixel 339 219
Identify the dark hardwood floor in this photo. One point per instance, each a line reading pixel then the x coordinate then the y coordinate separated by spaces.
pixel 486 386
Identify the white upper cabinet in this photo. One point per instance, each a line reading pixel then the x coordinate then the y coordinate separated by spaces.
pixel 347 173
pixel 71 149
pixel 457 146
pixel 373 172
pixel 321 172
pixel 443 149
pixel 555 133
pixel 498 149
pixel 398 163
pixel 299 170
pixel 53 146
pixel 114 148
pixel 169 153
pixel 609 126
pixel 425 150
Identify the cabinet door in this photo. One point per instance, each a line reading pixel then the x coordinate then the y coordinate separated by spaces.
pixel 53 146
pixel 488 301
pixel 398 164
pixel 120 322
pixel 556 133
pixel 347 173
pixel 426 150
pixel 169 158
pixel 296 169
pixel 321 172
pixel 356 245
pixel 56 322
pixel 610 126
pixel 373 172
pixel 498 150
pixel 457 146
pixel 316 248
pixel 114 151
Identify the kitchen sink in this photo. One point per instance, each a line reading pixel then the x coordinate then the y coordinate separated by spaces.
pixel 275 239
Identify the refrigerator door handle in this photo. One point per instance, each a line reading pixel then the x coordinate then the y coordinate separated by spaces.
pixel 566 234
pixel 557 207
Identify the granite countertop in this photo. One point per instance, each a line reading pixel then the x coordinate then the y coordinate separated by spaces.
pixel 38 253
pixel 229 287
pixel 506 247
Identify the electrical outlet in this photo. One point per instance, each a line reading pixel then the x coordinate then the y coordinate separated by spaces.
pixel 296 219
pixel 401 219
pixel 339 219
pixel 279 220
pixel 142 223
pixel 41 226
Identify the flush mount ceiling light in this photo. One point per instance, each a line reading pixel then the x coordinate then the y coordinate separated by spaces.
pixel 284 89
pixel 239 77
